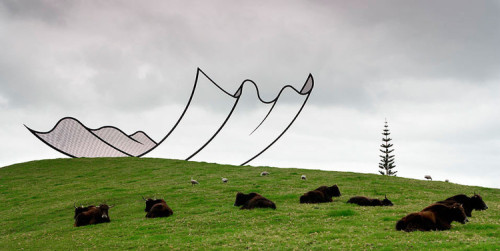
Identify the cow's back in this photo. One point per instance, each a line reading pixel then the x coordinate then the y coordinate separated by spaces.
pixel 84 218
pixel 460 198
pixel 315 196
pixel 421 221
pixel 159 210
pixel 360 200
pixel 259 202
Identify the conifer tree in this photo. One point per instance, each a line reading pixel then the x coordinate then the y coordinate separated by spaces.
pixel 387 160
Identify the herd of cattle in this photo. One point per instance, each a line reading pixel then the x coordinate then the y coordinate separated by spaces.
pixel 437 216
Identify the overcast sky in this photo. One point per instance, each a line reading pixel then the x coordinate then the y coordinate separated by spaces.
pixel 431 68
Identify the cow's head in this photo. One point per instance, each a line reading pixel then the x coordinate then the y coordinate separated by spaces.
pixel 478 203
pixel 103 209
pixel 242 198
pixel 333 191
pixel 458 213
pixel 387 202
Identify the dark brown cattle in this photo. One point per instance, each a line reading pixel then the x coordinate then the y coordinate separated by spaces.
pixel 365 201
pixel 253 200
pixel 434 217
pixel 157 208
pixel 320 195
pixel 81 209
pixel 94 215
pixel 474 202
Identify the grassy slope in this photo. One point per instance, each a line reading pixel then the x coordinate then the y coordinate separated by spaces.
pixel 37 208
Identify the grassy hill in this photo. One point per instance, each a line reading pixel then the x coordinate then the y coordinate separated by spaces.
pixel 37 199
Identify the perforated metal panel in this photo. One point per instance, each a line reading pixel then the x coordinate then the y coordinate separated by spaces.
pixel 72 138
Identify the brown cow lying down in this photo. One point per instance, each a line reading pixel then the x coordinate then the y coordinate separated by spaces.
pixel 157 208
pixel 253 200
pixel 320 194
pixel 79 210
pixel 365 201
pixel 474 202
pixel 433 217
pixel 93 215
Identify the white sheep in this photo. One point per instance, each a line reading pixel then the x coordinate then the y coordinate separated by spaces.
pixel 224 180
pixel 264 173
pixel 303 177
pixel 194 182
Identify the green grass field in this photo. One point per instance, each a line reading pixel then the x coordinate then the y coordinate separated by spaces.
pixel 37 199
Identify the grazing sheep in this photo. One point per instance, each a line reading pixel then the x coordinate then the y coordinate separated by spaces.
pixel 224 180
pixel 264 173
pixel 303 177
pixel 446 180
pixel 194 182
pixel 428 177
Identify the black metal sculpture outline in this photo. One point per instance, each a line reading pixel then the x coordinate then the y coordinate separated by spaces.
pixel 305 90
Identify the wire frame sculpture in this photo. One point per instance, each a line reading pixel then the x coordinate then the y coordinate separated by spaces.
pixel 70 137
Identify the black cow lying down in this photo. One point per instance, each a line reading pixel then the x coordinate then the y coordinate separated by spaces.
pixel 157 208
pixel 434 217
pixel 365 201
pixel 92 215
pixel 320 195
pixel 253 200
pixel 474 202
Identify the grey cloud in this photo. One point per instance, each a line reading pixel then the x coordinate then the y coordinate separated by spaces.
pixel 446 39
pixel 50 11
pixel 347 46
